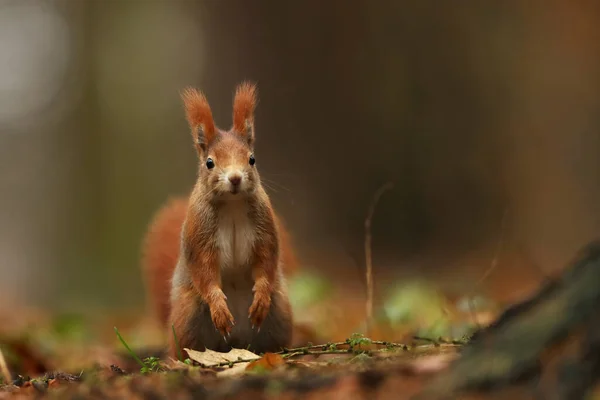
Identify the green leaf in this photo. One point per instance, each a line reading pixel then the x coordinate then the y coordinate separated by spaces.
pixel 416 304
pixel 306 289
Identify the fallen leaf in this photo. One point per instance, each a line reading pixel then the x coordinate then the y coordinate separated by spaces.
pixel 210 358
pixel 268 362
pixel 214 359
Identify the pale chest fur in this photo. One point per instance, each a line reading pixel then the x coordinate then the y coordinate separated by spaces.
pixel 236 235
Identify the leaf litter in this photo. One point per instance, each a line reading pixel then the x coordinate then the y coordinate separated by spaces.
pixel 348 367
pixel 96 370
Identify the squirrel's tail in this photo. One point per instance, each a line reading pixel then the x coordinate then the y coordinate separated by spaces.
pixel 288 257
pixel 160 252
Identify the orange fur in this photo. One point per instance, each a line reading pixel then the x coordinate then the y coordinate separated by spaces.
pixel 181 310
pixel 198 113
pixel 264 267
pixel 187 243
pixel 160 252
pixel 244 103
pixel 288 257
pixel 202 254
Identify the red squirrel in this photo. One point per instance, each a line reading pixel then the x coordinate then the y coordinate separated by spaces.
pixel 214 263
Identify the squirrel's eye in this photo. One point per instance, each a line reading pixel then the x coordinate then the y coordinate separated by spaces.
pixel 252 160
pixel 210 164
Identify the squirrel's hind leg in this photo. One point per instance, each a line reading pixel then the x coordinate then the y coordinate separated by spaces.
pixel 193 326
pixel 276 331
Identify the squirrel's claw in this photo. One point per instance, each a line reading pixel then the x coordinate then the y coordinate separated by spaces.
pixel 222 320
pixel 259 309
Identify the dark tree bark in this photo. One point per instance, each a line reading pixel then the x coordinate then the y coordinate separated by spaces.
pixel 548 344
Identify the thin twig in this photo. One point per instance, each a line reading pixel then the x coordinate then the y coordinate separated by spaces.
pixel 4 369
pixel 332 348
pixel 369 265
pixel 494 263
pixel 335 345
pixel 440 340
pixel 492 267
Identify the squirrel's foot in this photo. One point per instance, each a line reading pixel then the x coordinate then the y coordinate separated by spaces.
pixel 222 318
pixel 259 309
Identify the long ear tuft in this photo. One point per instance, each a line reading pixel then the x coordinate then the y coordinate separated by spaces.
pixel 199 116
pixel 244 103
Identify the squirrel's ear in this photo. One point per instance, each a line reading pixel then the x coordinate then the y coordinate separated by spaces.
pixel 244 103
pixel 199 117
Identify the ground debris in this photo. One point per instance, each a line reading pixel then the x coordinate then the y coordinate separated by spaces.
pixel 545 347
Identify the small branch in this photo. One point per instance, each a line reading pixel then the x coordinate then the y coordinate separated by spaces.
pixel 4 369
pixel 231 363
pixel 334 348
pixel 335 345
pixel 492 267
pixel 350 350
pixel 494 263
pixel 369 265
pixel 440 340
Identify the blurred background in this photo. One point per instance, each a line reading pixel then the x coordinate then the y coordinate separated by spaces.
pixel 484 115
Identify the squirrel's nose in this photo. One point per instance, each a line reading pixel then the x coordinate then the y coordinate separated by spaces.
pixel 235 179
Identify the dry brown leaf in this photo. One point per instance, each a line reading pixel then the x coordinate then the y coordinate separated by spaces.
pixel 212 359
pixel 268 362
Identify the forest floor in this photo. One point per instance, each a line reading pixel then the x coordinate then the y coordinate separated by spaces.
pixel 421 344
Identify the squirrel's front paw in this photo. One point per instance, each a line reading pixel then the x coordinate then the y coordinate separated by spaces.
pixel 222 318
pixel 259 308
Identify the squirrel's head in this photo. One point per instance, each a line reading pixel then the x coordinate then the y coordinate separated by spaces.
pixel 227 164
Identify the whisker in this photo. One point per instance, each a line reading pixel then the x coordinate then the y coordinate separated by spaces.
pixel 275 183
pixel 211 191
pixel 269 187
